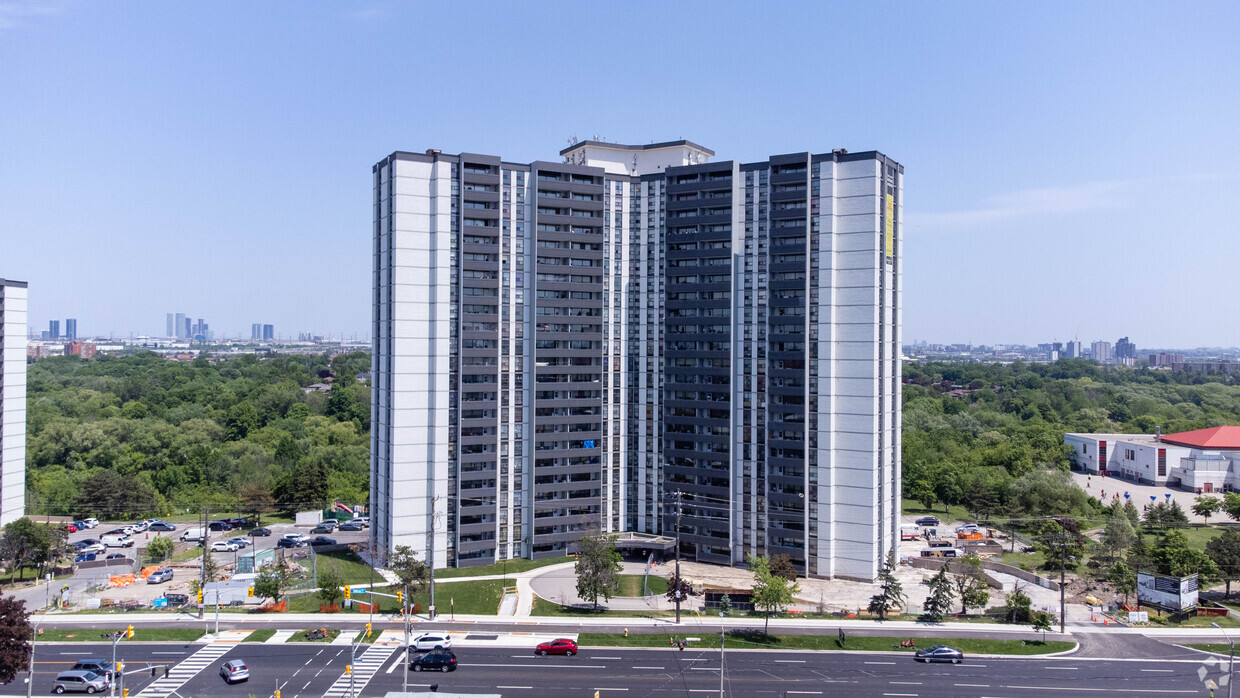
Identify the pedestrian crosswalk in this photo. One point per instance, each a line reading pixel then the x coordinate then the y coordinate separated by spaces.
pixel 366 667
pixel 187 669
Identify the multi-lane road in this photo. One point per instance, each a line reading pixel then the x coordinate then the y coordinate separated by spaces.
pixel 301 669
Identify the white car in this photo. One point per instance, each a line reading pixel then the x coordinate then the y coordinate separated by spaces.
pixel 431 641
pixel 93 548
pixel 968 527
pixel 91 522
pixel 223 546
pixel 139 527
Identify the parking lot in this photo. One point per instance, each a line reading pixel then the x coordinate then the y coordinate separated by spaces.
pixel 95 582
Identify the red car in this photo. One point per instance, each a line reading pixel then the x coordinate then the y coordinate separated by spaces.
pixel 560 646
pixel 70 528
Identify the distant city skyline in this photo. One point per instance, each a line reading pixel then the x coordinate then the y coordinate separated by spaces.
pixel 165 156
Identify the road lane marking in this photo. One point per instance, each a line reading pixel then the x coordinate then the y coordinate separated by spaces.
pixel 1160 670
pixel 181 653
pixel 789 661
pixel 906 683
pixel 703 668
pixel 972 685
pixel 528 688
pixel 900 694
pixel 602 688
pixel 1062 668
pixel 979 666
pixel 808 693
pixel 648 667
pixel 601 657
pixel 1102 690
pixel 544 666
pixel 880 663
pixel 307 685
pixel 81 653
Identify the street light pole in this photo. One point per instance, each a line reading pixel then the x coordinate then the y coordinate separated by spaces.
pixel 1231 659
pixel 721 639
pixel 678 593
pixel 430 557
pixel 34 638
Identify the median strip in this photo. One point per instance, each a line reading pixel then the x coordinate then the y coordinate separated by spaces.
pixel 757 640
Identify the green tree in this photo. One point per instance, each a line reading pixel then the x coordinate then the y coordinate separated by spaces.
pixel 1118 536
pixel 891 592
pixel 411 572
pixel 1042 621
pixel 329 586
pixel 1124 579
pixel 1017 607
pixel 1165 514
pixel 598 566
pixel 271 583
pixel 23 543
pixel 969 588
pixel 1205 507
pixel 256 500
pixel 1174 556
pixel 942 593
pixel 771 593
pixel 725 605
pixel 1224 550
pixel 160 548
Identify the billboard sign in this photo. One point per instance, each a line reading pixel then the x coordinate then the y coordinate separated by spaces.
pixel 1170 593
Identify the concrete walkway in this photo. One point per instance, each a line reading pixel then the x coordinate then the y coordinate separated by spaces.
pixel 1140 495
pixel 558 584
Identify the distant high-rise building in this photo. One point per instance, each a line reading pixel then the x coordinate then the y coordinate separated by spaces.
pixel 638 329
pixel 12 400
pixel 269 332
pixel 53 329
pixel 256 331
pixel 1125 349
pixel 171 327
pixel 82 349
pixel 1101 352
pixel 1072 350
pixel 71 329
pixel 182 326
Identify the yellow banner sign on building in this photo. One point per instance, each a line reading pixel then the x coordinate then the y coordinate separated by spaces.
pixel 891 226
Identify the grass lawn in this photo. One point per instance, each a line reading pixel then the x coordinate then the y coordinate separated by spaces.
pixel 300 636
pixel 348 565
pixel 948 515
pixel 512 567
pixel 27 574
pixel 1194 621
pixel 480 597
pixel 1217 648
pixel 757 640
pixel 260 635
pixel 1029 562
pixel 139 634
pixel 631 585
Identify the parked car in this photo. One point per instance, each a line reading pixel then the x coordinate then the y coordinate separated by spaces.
pixel 439 660
pixel 290 543
pixel 237 522
pixel 85 557
pixel 70 527
pixel 234 670
pixel 260 532
pixel 139 526
pixel 162 526
pixel 224 546
pixel 560 646
pixel 928 521
pixel 241 541
pixel 196 534
pixel 323 528
pixel 431 641
pixel 128 529
pixel 116 532
pixel 113 540
pixel 968 527
pixel 322 540
pixel 939 653
pixel 295 537
pixel 176 599
pixel 99 666
pixel 90 522
pixel 363 520
pixel 350 526
pixel 79 525
pixel 220 526
pixel 116 556
pixel 160 576
pixel 92 546
pixel 79 681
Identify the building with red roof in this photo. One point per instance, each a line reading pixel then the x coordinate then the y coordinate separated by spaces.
pixel 1202 460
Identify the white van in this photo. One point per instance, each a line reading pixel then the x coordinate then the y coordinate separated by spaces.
pixel 910 531
pixel 116 541
pixel 196 534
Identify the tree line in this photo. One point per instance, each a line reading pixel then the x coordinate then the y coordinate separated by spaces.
pixel 146 436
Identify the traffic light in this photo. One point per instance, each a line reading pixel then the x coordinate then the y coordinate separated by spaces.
pixel 129 633
pixel 348 592
pixel 400 597
pixel 124 693
pixel 249 591
pixel 277 693
pixel 368 630
pixel 200 596
pixel 348 669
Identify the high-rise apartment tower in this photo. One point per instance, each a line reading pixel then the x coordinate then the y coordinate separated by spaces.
pixel 565 344
pixel 12 400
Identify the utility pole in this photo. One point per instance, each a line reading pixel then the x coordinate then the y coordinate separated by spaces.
pixel 678 594
pixel 404 613
pixel 721 654
pixel 34 638
pixel 202 584
pixel 1063 563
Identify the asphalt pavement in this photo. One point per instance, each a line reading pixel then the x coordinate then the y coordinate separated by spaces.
pixel 306 669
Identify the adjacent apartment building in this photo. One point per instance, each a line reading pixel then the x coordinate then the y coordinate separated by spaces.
pixel 12 400
pixel 633 331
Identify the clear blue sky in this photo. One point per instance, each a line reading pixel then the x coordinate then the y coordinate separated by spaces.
pixel 1070 168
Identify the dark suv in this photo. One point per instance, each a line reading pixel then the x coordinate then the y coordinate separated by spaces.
pixel 177 599
pixel 220 526
pixel 437 660
pixel 928 521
